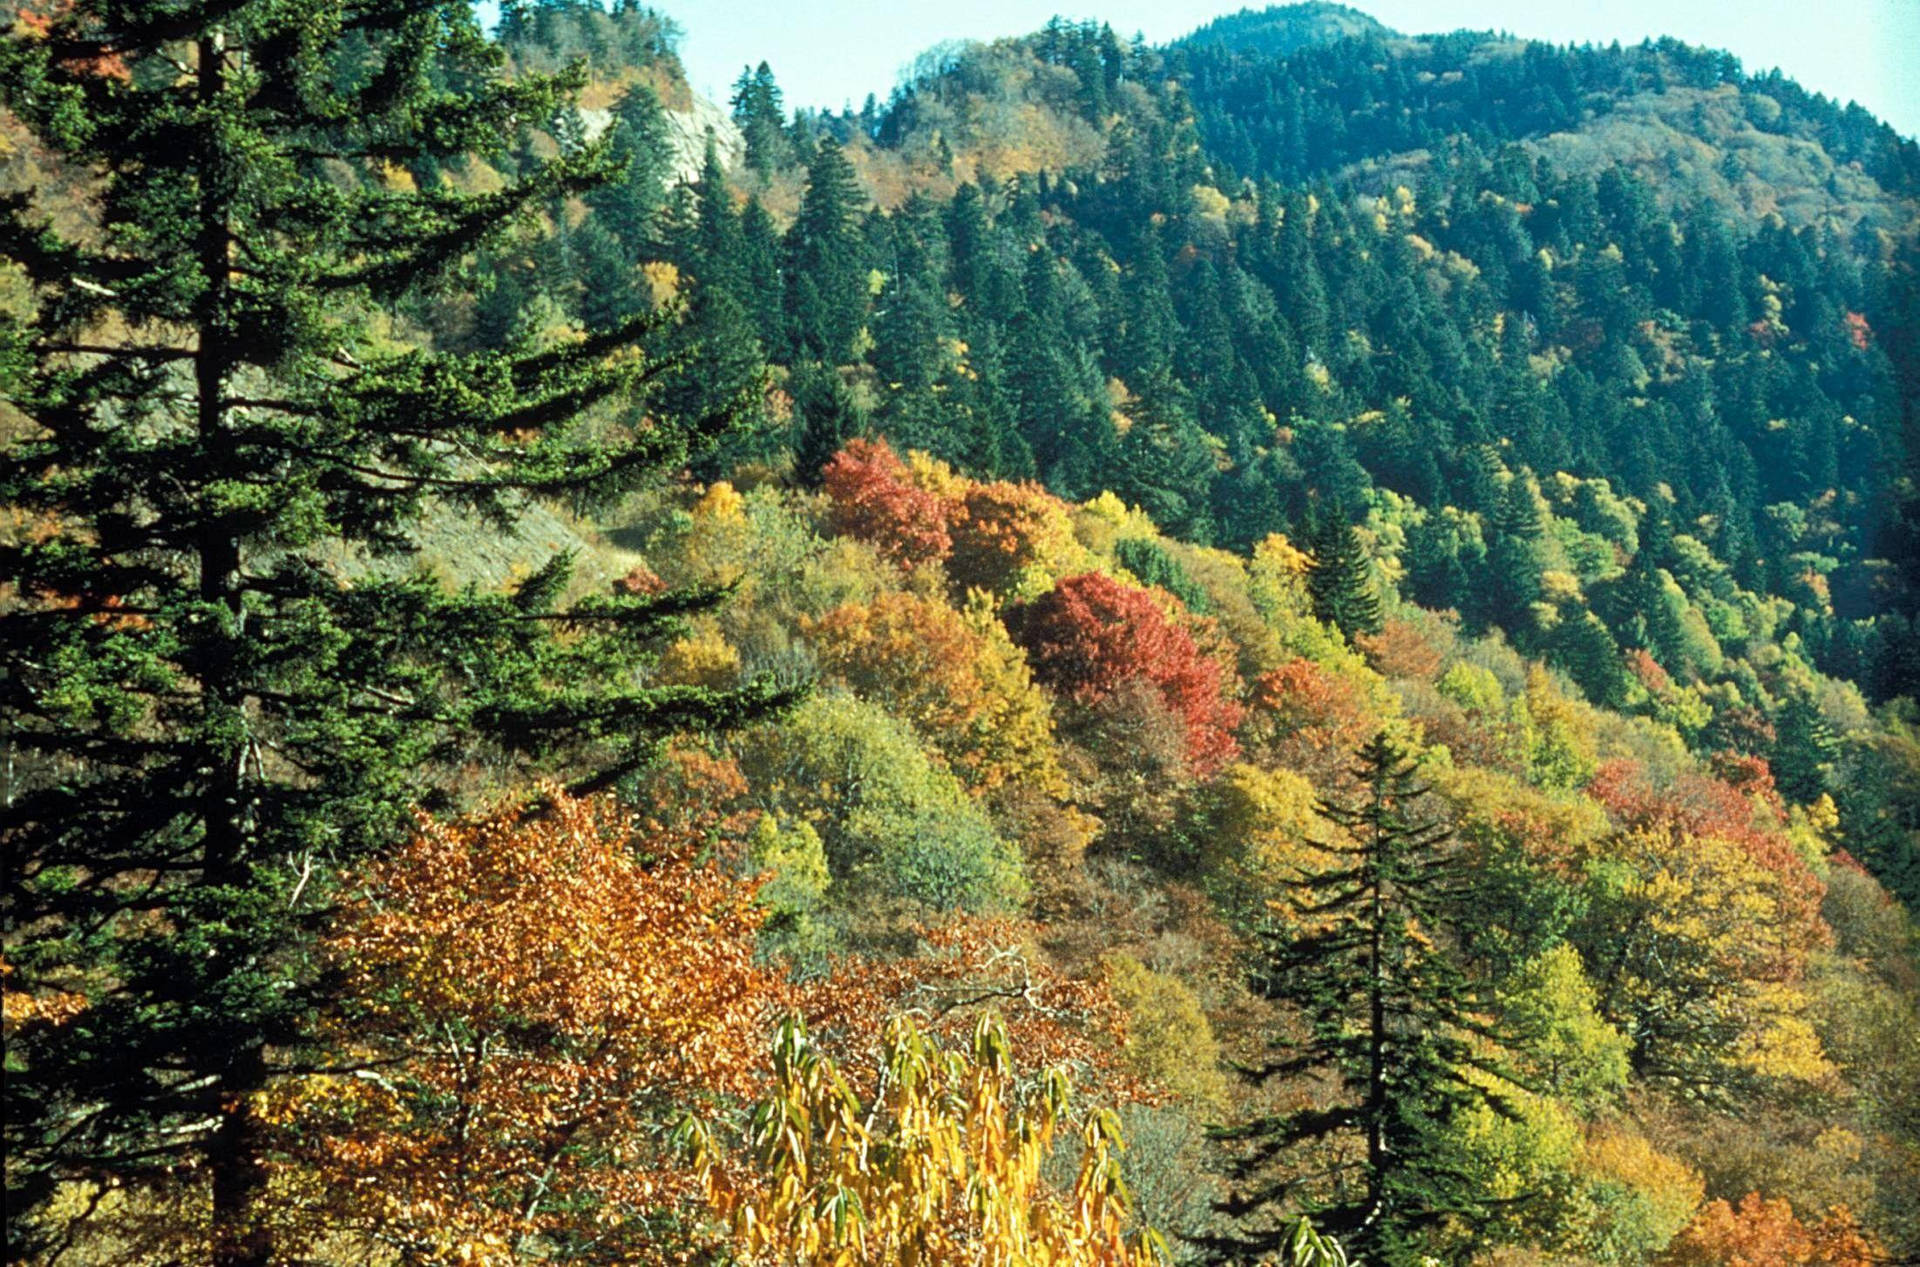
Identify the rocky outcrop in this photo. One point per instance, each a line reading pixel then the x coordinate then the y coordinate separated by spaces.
pixel 686 136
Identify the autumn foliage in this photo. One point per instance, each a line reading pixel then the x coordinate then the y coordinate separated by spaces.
pixel 1747 815
pixel 955 675
pixel 875 499
pixel 1091 633
pixel 944 1163
pixel 1000 530
pixel 529 998
pixel 991 535
pixel 1763 1233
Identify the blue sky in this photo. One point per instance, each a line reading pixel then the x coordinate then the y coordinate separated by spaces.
pixel 831 52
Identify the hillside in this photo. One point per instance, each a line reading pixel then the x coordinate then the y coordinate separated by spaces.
pixel 1284 30
pixel 1352 597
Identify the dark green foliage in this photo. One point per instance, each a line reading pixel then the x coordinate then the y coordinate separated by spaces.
pixel 1341 577
pixel 762 118
pixel 826 276
pixel 223 682
pixel 1368 955
pixel 628 204
pixel 1149 561
pixel 1805 751
pixel 826 416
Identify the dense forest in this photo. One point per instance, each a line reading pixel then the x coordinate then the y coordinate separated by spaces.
pixel 1300 646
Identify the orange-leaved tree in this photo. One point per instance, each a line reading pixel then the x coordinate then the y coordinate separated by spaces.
pixel 531 996
pixel 944 1163
pixel 1004 532
pixel 1763 1233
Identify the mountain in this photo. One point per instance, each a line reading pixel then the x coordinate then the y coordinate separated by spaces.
pixel 1283 30
pixel 1357 591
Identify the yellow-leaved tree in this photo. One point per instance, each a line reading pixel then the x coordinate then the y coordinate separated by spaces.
pixel 943 1162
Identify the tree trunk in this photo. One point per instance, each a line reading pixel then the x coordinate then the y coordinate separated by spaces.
pixel 241 1237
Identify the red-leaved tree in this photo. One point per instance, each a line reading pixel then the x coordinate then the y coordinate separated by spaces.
pixel 875 499
pixel 1090 633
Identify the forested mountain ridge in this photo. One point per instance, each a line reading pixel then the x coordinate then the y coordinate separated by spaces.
pixel 1354 593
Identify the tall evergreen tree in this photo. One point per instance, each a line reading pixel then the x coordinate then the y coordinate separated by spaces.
pixel 758 110
pixel 628 205
pixel 1340 581
pixel 220 687
pixel 827 294
pixel 826 416
pixel 760 276
pixel 1395 1023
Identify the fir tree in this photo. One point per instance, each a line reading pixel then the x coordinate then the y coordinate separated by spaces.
pixel 826 417
pixel 1806 750
pixel 1394 1022
pixel 1341 578
pixel 223 683
pixel 760 276
pixel 628 205
pixel 762 117
pixel 826 297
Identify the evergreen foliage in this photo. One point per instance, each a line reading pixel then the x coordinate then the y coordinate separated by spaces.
pixel 1340 578
pixel 222 680
pixel 1364 953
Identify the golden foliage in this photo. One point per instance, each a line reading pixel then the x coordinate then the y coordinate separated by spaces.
pixel 944 1164
pixel 527 998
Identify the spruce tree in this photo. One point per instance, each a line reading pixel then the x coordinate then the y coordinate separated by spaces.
pixel 222 681
pixel 1395 1023
pixel 761 115
pixel 1340 580
pixel 628 206
pixel 1805 754
pixel 827 293
pixel 826 416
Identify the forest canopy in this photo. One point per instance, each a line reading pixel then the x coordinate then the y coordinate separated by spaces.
pixel 1290 645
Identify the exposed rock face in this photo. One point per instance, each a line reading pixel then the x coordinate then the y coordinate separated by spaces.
pixel 686 136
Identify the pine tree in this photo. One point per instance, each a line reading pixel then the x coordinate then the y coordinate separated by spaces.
pixel 223 684
pixel 1394 1022
pixel 1341 579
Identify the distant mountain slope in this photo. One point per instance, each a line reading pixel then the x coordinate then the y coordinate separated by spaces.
pixel 1675 113
pixel 1285 29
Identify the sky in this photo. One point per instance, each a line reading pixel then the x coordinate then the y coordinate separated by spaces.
pixel 830 53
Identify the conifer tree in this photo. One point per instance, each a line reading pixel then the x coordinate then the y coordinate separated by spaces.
pixel 826 299
pixel 1807 749
pixel 758 109
pixel 760 276
pixel 1394 1022
pixel 628 204
pixel 222 681
pixel 714 249
pixel 826 416
pixel 1341 578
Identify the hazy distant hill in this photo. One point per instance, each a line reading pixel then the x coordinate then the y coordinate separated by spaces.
pixel 1285 29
